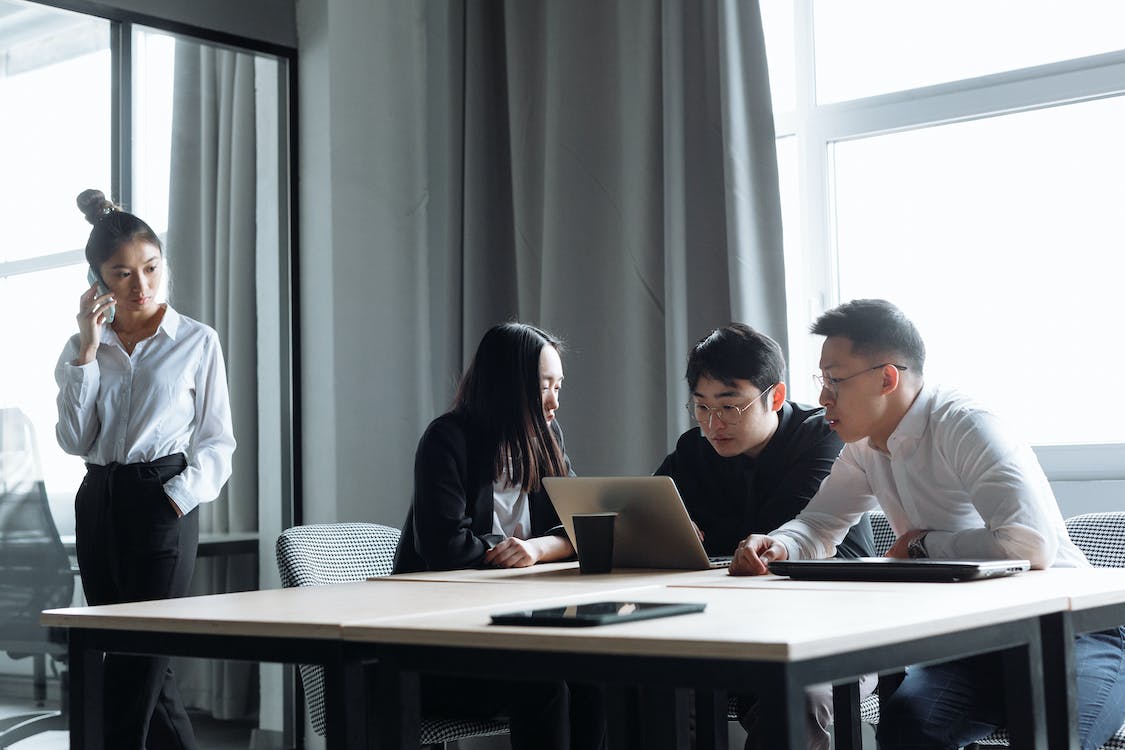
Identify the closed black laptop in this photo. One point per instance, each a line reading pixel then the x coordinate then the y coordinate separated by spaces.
pixel 894 569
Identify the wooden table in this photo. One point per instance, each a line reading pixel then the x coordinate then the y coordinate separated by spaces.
pixel 295 625
pixel 754 632
pixel 784 638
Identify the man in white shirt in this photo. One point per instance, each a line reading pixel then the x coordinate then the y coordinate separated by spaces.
pixel 953 484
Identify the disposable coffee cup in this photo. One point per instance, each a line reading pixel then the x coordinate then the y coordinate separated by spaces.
pixel 593 538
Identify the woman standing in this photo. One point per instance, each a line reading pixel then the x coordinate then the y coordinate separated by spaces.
pixel 479 501
pixel 143 399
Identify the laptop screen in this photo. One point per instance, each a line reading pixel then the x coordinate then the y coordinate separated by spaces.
pixel 653 529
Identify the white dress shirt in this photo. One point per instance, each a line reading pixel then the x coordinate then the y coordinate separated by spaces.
pixel 169 397
pixel 951 469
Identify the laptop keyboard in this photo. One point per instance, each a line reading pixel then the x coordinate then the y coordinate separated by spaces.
pixel 720 561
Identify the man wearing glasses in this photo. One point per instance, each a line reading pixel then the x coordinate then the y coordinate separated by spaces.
pixel 753 463
pixel 953 484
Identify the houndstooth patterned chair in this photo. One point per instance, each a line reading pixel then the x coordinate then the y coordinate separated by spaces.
pixel 323 554
pixel 884 538
pixel 882 531
pixel 1101 537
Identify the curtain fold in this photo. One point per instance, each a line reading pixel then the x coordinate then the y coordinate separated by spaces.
pixel 620 189
pixel 211 248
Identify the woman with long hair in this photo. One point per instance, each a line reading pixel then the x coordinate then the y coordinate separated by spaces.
pixel 143 399
pixel 478 497
pixel 479 502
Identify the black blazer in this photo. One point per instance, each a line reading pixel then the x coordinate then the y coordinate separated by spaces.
pixel 449 524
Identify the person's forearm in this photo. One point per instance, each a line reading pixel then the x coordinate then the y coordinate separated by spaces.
pixel 553 548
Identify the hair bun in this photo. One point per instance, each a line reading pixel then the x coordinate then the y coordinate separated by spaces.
pixel 94 206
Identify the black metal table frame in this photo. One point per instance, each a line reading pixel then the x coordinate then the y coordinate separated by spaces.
pixel 393 677
pixel 342 662
pixel 1058 632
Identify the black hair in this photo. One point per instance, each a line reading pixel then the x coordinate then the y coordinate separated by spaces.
pixel 736 352
pixel 877 328
pixel 113 228
pixel 501 393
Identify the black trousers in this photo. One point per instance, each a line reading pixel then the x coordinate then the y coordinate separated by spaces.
pixel 132 546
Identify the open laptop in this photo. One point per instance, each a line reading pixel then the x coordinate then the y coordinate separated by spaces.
pixel 894 569
pixel 652 530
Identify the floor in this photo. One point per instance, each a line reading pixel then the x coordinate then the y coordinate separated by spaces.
pixel 211 734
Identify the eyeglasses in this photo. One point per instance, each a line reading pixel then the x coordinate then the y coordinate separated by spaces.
pixel 728 414
pixel 832 385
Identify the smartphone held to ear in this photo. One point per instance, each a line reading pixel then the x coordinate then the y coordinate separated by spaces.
pixel 94 278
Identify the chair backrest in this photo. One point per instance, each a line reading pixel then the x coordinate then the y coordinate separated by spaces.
pixel 321 554
pixel 35 569
pixel 1100 536
pixel 882 531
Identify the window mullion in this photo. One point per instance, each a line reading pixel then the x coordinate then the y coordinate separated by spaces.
pixel 121 149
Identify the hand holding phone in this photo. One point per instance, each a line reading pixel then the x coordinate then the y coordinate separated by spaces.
pixel 110 309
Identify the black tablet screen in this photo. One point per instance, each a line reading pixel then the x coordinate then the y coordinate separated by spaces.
pixel 596 613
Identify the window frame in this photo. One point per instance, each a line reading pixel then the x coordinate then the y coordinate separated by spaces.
pixel 121 50
pixel 812 274
pixel 284 397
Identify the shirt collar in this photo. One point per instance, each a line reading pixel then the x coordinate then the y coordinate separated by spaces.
pixel 170 324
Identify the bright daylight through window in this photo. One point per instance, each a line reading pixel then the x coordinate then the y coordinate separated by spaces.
pixel 56 65
pixel 980 191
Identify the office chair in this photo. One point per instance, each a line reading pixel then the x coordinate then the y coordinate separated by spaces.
pixel 322 554
pixel 882 531
pixel 35 572
pixel 1101 537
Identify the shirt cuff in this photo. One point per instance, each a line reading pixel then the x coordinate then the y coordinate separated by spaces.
pixel 179 495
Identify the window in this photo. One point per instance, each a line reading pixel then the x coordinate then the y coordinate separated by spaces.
pixel 56 77
pixel 57 134
pixel 979 191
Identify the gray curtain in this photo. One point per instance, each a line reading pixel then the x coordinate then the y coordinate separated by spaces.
pixel 211 250
pixel 619 188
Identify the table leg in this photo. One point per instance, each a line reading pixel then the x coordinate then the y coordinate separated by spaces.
pixel 345 705
pixel 846 726
pixel 1023 691
pixel 781 717
pixel 399 716
pixel 710 719
pixel 623 717
pixel 1059 675
pixel 87 678
pixel 664 714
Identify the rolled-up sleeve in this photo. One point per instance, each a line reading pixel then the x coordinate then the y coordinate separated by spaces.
pixel 1007 487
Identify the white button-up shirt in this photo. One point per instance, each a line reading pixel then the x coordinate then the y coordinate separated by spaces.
pixel 952 469
pixel 169 397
